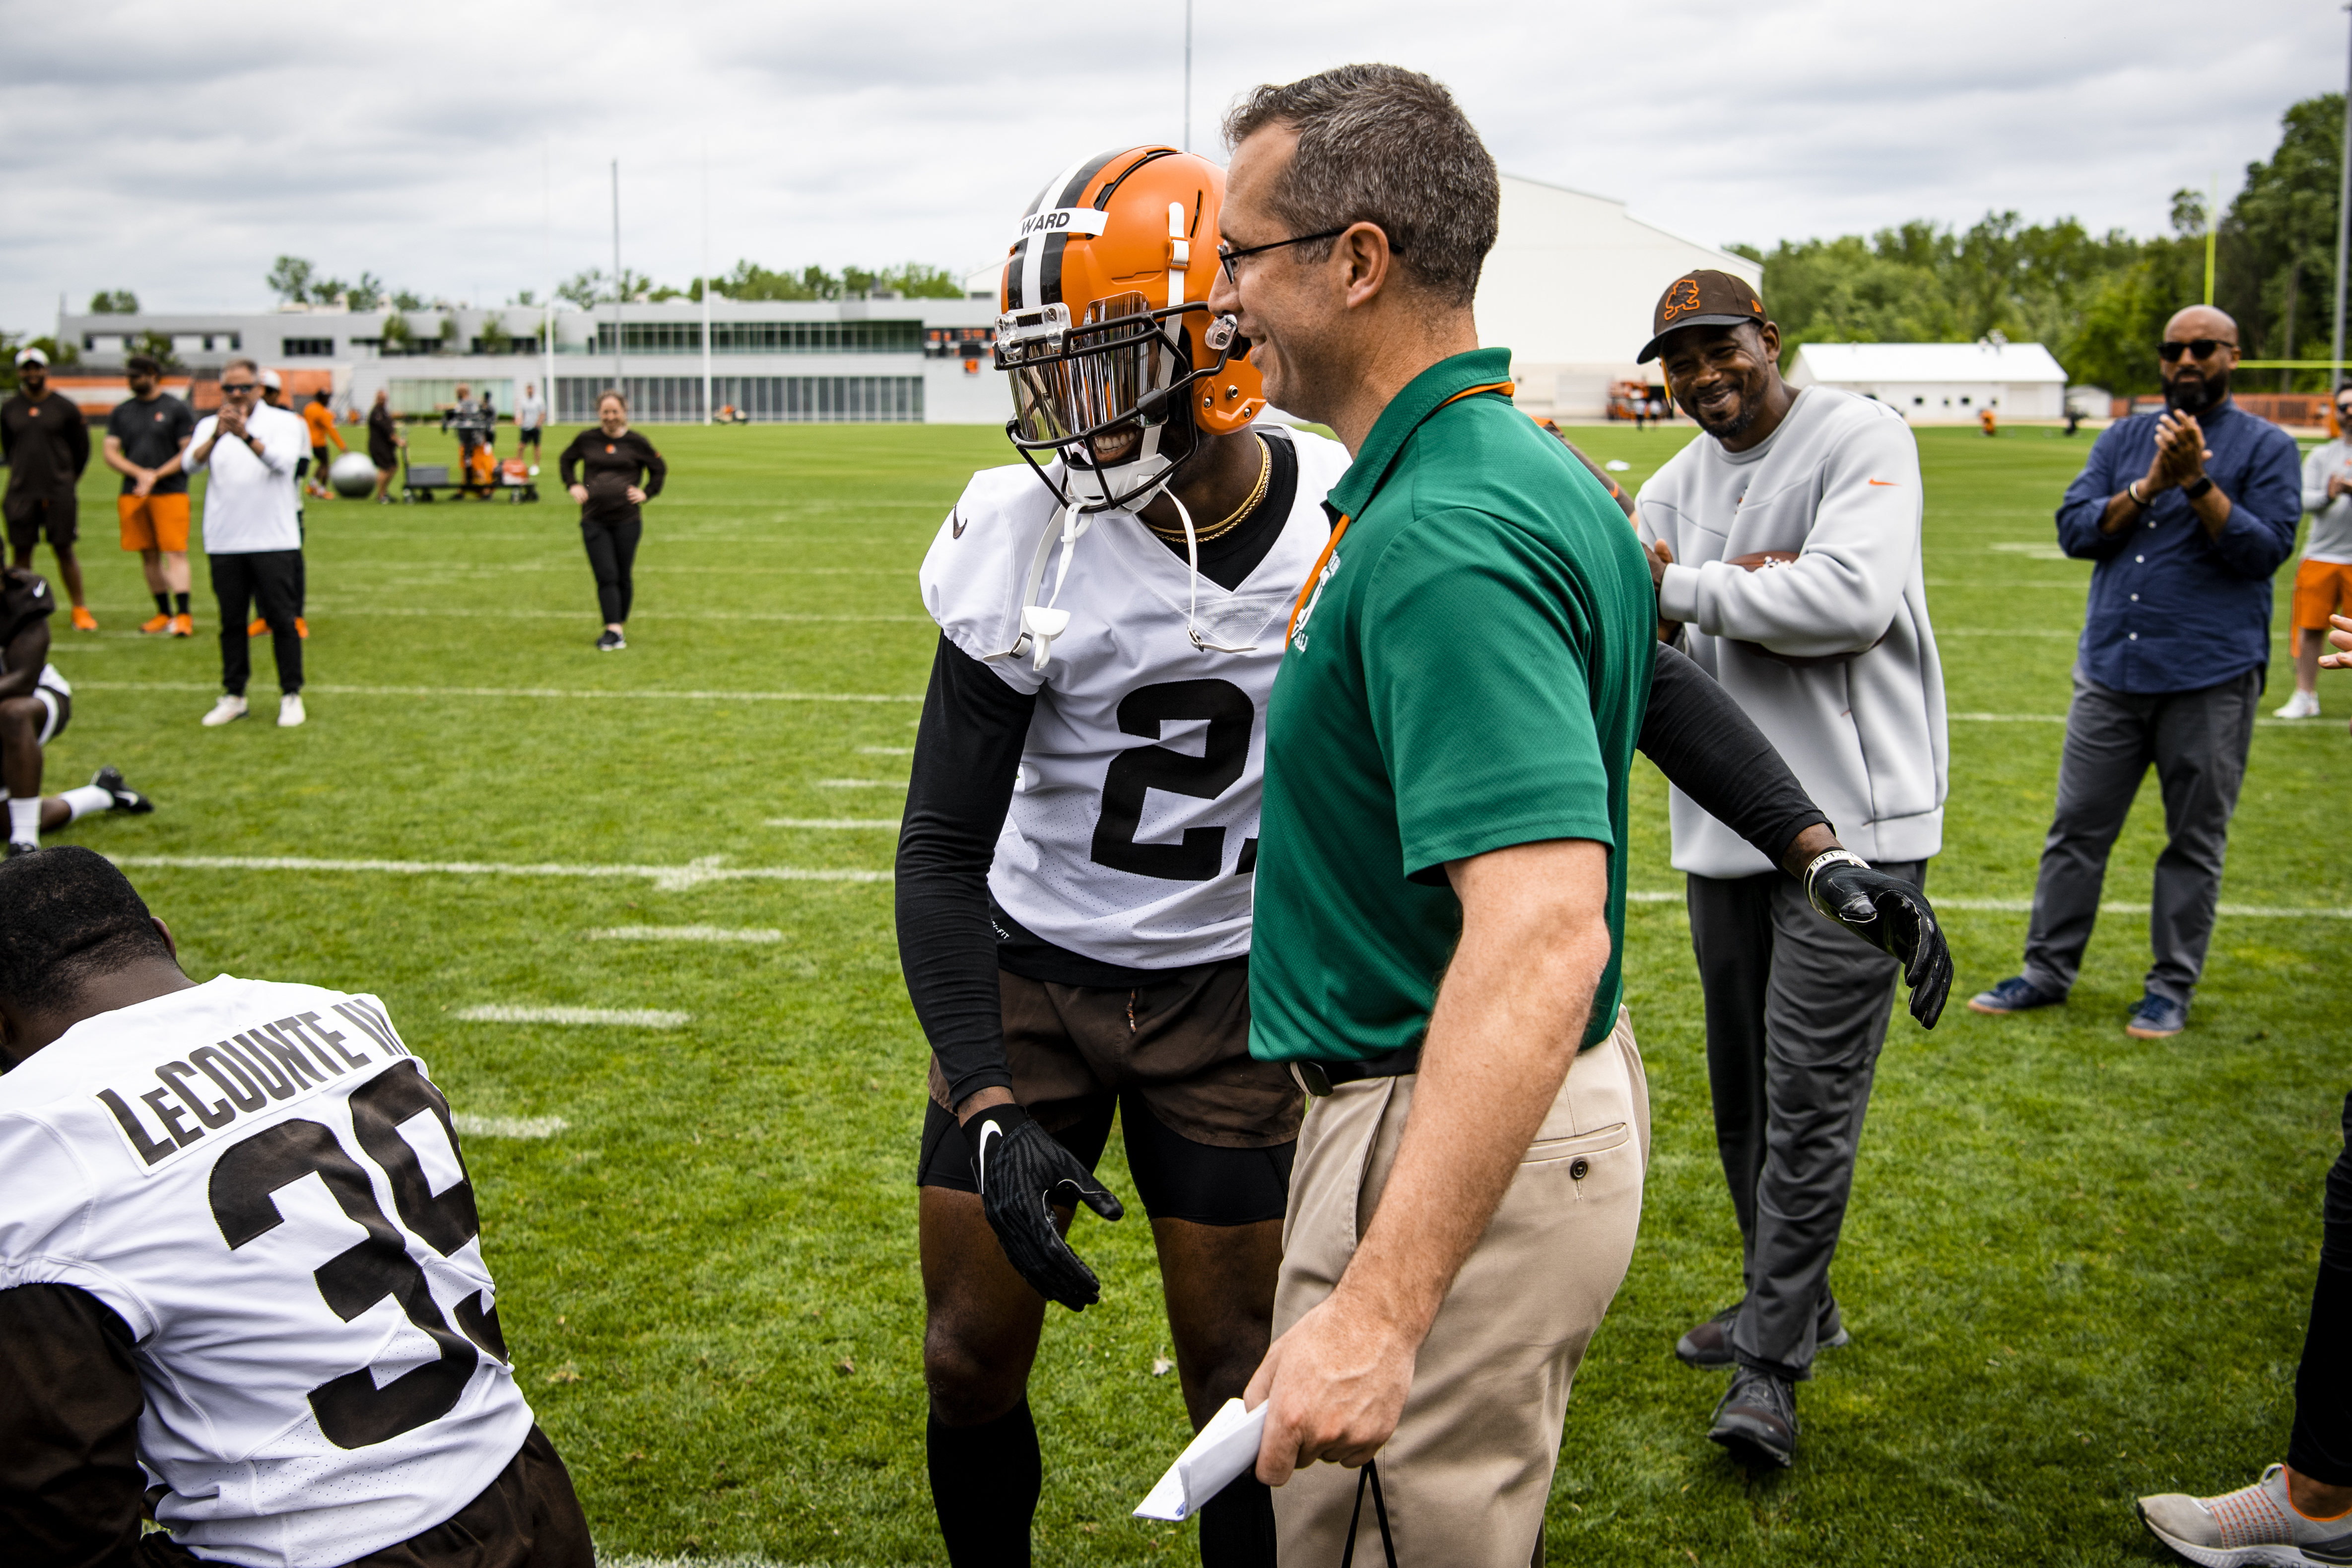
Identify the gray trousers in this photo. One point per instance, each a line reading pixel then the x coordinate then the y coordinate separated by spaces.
pixel 2198 741
pixel 1797 1010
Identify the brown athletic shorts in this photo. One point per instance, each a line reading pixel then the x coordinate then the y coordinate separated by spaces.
pixel 1180 1045
pixel 153 522
pixel 528 1516
pixel 32 517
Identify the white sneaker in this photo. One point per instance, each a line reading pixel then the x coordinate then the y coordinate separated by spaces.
pixel 226 709
pixel 2253 1525
pixel 2302 705
pixel 290 710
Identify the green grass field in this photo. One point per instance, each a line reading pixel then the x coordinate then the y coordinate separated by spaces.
pixel 2077 1267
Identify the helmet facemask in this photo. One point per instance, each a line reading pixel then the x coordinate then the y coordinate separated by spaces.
pixel 1100 393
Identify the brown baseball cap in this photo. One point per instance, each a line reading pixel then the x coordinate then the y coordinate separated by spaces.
pixel 1703 299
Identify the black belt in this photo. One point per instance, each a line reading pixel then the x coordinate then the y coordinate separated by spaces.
pixel 1319 1078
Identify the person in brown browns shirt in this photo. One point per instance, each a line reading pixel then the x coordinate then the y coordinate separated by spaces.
pixel 611 472
pixel 45 445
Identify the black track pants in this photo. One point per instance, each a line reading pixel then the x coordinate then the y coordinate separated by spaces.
pixel 273 580
pixel 611 550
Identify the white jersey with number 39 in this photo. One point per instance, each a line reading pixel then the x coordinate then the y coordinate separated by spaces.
pixel 1133 831
pixel 266 1187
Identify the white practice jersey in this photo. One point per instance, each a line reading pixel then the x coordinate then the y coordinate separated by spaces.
pixel 265 1185
pixel 1133 832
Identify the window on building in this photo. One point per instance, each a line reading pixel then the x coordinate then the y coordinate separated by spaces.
pixel 1919 401
pixel 306 348
pixel 1964 400
pixel 959 342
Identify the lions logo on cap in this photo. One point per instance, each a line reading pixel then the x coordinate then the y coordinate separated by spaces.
pixel 1682 297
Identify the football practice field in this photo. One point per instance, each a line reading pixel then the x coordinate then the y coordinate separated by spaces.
pixel 634 911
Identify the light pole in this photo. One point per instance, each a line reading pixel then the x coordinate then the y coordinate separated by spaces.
pixel 1188 74
pixel 617 387
pixel 2343 235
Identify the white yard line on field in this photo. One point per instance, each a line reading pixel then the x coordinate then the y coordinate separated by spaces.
pixel 832 823
pixel 535 693
pixel 665 878
pixel 2061 719
pixel 509 1126
pixel 621 1018
pixel 687 933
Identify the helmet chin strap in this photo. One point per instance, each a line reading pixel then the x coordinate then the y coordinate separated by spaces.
pixel 1192 561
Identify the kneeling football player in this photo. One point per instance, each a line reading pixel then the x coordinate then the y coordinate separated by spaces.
pixel 1074 868
pixel 35 705
pixel 241 1280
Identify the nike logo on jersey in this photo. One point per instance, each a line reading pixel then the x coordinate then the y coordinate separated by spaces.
pixel 956 525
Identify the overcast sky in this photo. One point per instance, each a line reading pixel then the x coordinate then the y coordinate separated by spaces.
pixel 175 149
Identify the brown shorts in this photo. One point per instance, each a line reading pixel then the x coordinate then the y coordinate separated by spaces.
pixel 1180 1045
pixel 32 517
pixel 154 522
pixel 528 1516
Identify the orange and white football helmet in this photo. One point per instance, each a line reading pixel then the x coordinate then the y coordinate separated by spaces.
pixel 1116 364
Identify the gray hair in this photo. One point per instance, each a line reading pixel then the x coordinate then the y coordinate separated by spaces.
pixel 248 363
pixel 1383 145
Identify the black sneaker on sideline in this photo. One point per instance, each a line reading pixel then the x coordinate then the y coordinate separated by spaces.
pixel 1708 1346
pixel 110 779
pixel 611 642
pixel 15 848
pixel 2015 995
pixel 1757 1421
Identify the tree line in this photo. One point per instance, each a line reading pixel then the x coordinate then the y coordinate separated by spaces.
pixel 2098 302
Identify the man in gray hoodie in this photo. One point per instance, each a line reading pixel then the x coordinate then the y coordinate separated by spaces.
pixel 1785 546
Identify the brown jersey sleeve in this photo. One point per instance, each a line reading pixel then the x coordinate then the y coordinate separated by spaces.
pixel 70 1483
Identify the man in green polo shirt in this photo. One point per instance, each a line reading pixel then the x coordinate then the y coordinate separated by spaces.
pixel 1440 882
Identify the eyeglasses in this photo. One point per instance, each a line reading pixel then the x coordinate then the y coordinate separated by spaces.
pixel 1228 256
pixel 233 387
pixel 2198 348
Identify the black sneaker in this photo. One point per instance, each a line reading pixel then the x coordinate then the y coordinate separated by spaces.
pixel 110 779
pixel 1757 1421
pixel 15 848
pixel 611 642
pixel 2015 995
pixel 1708 1345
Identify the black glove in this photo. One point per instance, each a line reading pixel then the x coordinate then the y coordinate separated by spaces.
pixel 1021 1170
pixel 1895 917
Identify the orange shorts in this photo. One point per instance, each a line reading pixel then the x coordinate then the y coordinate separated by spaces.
pixel 2321 588
pixel 154 522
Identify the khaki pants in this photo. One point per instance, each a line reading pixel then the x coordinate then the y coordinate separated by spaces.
pixel 1470 1467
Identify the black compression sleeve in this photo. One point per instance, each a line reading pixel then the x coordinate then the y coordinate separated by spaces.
pixel 69 1401
pixel 568 463
pixel 967 753
pixel 1710 750
pixel 656 469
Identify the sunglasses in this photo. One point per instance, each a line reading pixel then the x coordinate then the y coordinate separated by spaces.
pixel 233 387
pixel 2200 348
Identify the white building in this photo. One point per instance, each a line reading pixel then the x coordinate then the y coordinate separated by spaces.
pixel 1935 384
pixel 853 361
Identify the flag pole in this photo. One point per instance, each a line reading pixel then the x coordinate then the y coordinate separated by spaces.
pixel 617 385
pixel 2343 237
pixel 706 278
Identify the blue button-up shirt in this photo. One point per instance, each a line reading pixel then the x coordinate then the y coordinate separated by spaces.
pixel 2172 608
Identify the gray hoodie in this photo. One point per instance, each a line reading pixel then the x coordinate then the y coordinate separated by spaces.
pixel 1860 723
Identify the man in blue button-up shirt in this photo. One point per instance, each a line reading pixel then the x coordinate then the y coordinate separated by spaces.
pixel 2189 514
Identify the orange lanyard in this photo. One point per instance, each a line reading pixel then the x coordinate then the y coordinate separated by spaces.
pixel 1315 575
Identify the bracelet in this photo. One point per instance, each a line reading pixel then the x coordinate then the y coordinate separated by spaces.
pixel 2132 489
pixel 1839 856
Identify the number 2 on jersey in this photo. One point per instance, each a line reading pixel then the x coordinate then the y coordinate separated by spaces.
pixel 1201 856
pixel 353 1412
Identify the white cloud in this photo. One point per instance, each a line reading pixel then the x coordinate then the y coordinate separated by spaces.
pixel 176 151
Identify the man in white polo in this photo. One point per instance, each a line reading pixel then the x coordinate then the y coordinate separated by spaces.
pixel 253 534
pixel 1785 547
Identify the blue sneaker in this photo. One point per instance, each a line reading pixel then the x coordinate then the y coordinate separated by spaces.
pixel 2015 995
pixel 2157 1018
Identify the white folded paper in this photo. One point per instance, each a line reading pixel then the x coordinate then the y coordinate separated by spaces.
pixel 1226 1450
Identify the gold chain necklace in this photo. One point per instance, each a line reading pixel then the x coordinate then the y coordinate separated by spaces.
pixel 1257 494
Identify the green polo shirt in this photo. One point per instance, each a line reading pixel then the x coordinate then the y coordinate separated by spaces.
pixel 1469 673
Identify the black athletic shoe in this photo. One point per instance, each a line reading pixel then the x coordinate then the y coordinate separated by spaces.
pixel 110 779
pixel 611 642
pixel 1708 1345
pixel 1757 1421
pixel 15 849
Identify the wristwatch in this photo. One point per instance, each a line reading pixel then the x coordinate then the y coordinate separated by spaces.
pixel 2197 492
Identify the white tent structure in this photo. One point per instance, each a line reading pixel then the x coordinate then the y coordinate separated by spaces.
pixel 1570 289
pixel 1932 384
